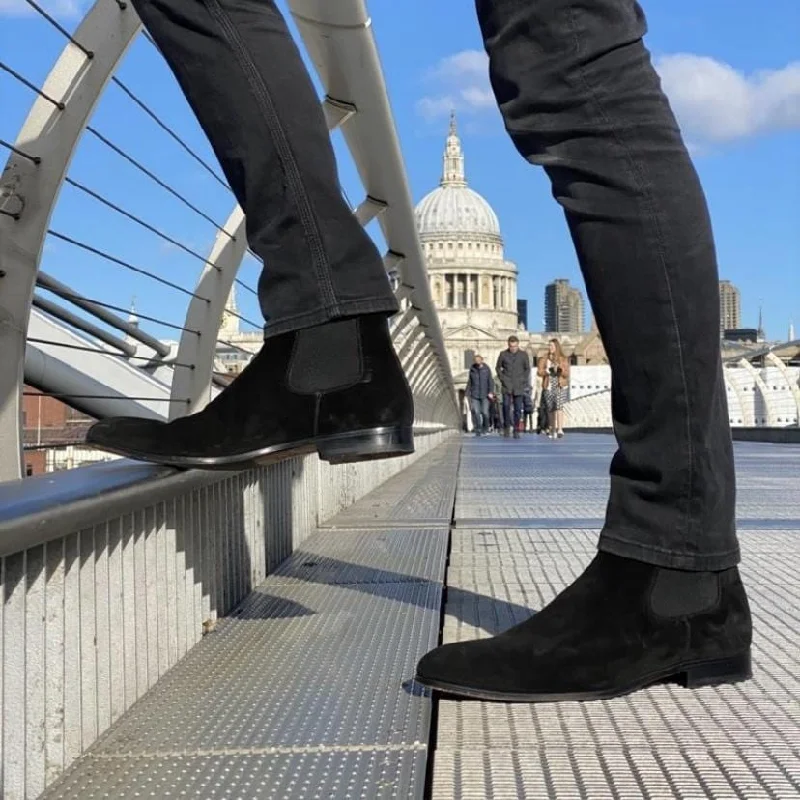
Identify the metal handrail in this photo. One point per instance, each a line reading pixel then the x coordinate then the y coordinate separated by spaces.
pixel 44 507
pixel 760 353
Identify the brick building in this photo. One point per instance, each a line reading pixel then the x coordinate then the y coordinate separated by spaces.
pixel 48 424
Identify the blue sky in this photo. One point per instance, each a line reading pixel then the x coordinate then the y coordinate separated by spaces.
pixel 732 74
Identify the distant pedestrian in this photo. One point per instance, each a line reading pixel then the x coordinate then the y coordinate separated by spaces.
pixel 514 374
pixel 554 371
pixel 480 391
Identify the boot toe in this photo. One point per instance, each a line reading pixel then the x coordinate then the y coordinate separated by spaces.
pixel 469 665
pixel 126 434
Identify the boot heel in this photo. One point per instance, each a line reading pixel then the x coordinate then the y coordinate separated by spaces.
pixel 366 445
pixel 723 670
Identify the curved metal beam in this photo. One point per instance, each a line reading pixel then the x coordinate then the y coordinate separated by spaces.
pixel 78 323
pixel 30 191
pixel 344 29
pixel 784 370
pixel 747 419
pixel 204 314
pixel 762 387
pixel 65 292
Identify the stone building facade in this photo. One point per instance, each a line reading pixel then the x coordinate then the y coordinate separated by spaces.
pixel 473 284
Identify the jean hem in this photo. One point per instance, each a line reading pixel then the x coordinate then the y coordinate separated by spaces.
pixel 349 308
pixel 661 557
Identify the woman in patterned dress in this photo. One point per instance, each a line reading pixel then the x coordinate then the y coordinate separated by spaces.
pixel 553 369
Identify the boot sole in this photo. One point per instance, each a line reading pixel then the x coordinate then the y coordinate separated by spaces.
pixel 692 676
pixel 342 448
pixel 369 445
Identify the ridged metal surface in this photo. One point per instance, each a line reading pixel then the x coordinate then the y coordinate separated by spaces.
pixel 296 667
pixel 421 495
pixel 92 620
pixel 304 690
pixel 535 480
pixel 303 685
pixel 362 556
pixel 740 741
pixel 270 775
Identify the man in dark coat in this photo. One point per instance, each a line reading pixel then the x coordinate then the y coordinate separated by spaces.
pixel 480 390
pixel 514 374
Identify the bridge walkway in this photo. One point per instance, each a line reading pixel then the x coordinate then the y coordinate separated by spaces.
pixel 305 691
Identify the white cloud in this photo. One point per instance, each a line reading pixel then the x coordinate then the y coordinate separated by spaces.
pixel 460 83
pixel 713 101
pixel 467 63
pixel 716 103
pixel 63 9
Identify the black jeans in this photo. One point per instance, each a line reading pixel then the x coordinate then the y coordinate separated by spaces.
pixel 512 409
pixel 245 80
pixel 580 97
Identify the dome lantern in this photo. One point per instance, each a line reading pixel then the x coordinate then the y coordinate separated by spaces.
pixel 453 210
pixel 453 171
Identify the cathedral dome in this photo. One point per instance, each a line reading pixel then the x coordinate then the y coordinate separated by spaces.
pixel 450 210
pixel 453 209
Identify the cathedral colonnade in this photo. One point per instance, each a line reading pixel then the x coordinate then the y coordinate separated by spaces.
pixel 474 290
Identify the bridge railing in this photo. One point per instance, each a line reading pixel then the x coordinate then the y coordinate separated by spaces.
pixel 111 573
pixel 765 396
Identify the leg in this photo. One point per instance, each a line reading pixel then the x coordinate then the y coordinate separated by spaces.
pixel 475 408
pixel 663 599
pixel 579 96
pixel 561 396
pixel 508 414
pixel 327 378
pixel 515 415
pixel 244 78
pixel 547 399
pixel 519 404
pixel 485 414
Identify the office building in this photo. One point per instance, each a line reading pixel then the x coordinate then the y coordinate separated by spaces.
pixel 563 308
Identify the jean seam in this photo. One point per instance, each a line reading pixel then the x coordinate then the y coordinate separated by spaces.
pixel 665 550
pixel 308 220
pixel 645 189
pixel 377 305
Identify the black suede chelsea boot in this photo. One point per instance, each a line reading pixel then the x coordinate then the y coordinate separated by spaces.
pixel 621 626
pixel 337 388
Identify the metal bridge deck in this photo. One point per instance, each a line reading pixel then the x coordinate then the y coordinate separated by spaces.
pixel 526 523
pixel 305 691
